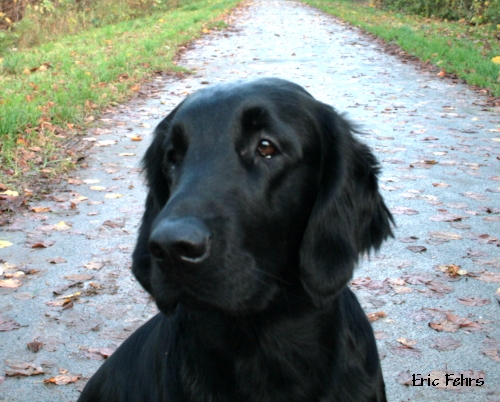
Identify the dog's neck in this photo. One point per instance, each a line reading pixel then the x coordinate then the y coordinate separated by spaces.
pixel 278 349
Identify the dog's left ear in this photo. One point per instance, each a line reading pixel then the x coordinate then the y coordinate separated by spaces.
pixel 157 197
pixel 349 216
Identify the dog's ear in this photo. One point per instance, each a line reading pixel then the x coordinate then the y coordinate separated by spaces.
pixel 349 216
pixel 157 197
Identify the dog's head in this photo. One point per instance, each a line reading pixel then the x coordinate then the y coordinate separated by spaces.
pixel 252 186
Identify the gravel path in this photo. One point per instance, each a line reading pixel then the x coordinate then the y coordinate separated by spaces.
pixel 433 288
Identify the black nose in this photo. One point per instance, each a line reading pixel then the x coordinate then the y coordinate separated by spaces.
pixel 187 239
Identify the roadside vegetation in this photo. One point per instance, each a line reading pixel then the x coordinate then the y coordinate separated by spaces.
pixel 53 86
pixel 462 48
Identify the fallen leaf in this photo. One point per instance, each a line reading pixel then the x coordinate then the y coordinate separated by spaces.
pixel 410 343
pixel 94 265
pixel 445 236
pixel 492 349
pixel 403 211
pixel 10 193
pixel 5 243
pixel 79 277
pixel 105 143
pixel 7 324
pixel 473 301
pixel 126 154
pixel 417 249
pixel 136 138
pixel 62 226
pixel 91 181
pixel 20 368
pixel 453 322
pixel 372 317
pixel 446 343
pixel 57 260
pixel 406 351
pixel 439 288
pixel 475 196
pixel 417 279
pixel 10 283
pixel 41 244
pixel 410 239
pixel 62 379
pixel 97 188
pixel 35 346
pixel 488 276
pixel 99 353
pixel 114 224
pixel 40 209
pixel 452 270
pixel 113 195
pixel 447 218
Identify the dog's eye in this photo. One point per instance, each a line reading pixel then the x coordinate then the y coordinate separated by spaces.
pixel 266 149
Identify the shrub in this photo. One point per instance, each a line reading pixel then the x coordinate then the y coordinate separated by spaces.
pixel 473 11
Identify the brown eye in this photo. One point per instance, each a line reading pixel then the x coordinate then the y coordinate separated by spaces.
pixel 266 149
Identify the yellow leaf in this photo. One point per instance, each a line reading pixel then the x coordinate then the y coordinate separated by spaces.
pixel 114 195
pixel 10 283
pixel 62 226
pixel 98 188
pixel 496 59
pixel 10 193
pixel 4 243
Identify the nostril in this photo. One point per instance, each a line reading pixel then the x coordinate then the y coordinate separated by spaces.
pixel 190 250
pixel 187 239
pixel 156 250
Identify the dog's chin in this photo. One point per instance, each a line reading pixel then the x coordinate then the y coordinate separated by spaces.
pixel 257 303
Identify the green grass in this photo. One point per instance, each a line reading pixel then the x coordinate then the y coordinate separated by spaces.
pixel 49 92
pixel 455 47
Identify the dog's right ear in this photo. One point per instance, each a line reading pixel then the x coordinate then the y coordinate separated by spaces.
pixel 158 195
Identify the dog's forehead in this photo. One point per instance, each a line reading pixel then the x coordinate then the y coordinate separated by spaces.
pixel 218 101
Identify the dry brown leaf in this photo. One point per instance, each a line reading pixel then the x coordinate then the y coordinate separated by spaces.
pixel 473 301
pixel 410 343
pixel 445 236
pixel 62 226
pixel 62 379
pixel 20 368
pixel 57 260
pixel 113 195
pixel 99 353
pixel 40 209
pixel 79 278
pixel 488 276
pixel 452 270
pixel 446 343
pixel 7 324
pixel 372 317
pixel 417 249
pixel 403 211
pixel 35 346
pixel 95 265
pixel 10 283
pixel 97 188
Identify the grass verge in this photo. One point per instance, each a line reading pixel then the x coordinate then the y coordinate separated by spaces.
pixel 469 52
pixel 50 92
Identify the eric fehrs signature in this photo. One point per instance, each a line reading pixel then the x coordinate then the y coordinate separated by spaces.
pixel 446 380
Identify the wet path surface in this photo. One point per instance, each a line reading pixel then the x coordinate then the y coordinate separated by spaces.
pixel 433 288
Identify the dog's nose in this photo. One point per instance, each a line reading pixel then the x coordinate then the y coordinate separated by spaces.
pixel 187 239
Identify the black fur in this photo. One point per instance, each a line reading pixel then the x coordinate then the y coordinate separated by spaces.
pixel 248 257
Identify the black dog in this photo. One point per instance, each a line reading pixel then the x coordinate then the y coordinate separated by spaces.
pixel 260 202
